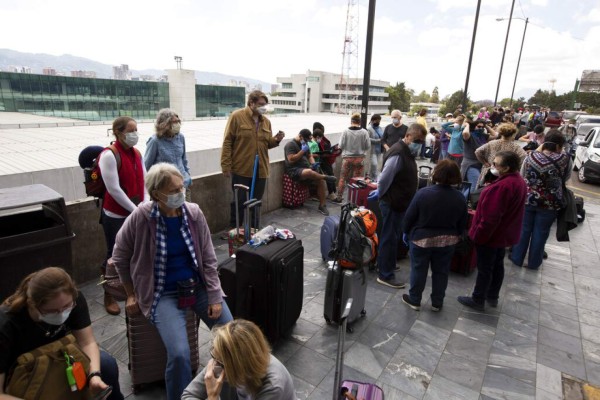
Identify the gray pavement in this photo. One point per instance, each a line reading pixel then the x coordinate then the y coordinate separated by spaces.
pixel 546 327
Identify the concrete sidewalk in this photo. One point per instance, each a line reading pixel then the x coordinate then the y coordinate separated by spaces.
pixel 546 327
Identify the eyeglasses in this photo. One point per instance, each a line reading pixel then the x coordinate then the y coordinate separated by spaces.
pixel 496 165
pixel 66 308
pixel 219 363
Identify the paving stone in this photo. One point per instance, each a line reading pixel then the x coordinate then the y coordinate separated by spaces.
pixel 318 365
pixel 549 380
pixel 560 341
pixel 461 371
pixel 511 365
pixel 561 360
pixel 559 323
pixel 516 344
pixel 591 333
pixel 500 386
pixel 442 388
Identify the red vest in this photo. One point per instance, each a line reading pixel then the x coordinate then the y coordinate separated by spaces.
pixel 131 180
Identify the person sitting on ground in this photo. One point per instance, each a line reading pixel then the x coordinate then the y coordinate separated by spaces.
pixel 240 356
pixel 330 153
pixel 45 308
pixel 300 166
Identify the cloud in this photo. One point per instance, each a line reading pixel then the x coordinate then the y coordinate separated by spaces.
pixel 592 15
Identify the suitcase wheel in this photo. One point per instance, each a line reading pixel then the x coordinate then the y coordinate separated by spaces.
pixel 327 321
pixel 363 313
pixel 349 329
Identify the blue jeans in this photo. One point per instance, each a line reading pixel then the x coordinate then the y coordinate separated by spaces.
pixel 490 273
pixel 473 176
pixel 110 375
pixel 443 154
pixel 391 233
pixel 171 324
pixel 534 233
pixel 373 173
pixel 420 259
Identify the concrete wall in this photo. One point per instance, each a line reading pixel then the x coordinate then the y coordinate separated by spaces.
pixel 182 92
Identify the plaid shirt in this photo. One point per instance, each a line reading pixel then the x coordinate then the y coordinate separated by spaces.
pixel 160 263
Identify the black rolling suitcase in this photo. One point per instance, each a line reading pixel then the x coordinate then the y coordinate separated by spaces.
pixel 228 280
pixel 270 285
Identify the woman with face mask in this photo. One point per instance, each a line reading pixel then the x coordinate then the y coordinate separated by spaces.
pixel 184 262
pixel 46 307
pixel 123 174
pixel 168 145
pixel 486 153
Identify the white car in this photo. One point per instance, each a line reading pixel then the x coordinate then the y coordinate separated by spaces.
pixel 587 156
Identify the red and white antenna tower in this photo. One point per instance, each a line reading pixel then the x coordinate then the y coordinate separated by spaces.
pixel 349 77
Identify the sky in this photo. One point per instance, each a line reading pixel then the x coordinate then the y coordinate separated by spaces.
pixel 424 43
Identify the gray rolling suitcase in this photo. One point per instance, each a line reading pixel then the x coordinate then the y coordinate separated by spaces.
pixel 343 284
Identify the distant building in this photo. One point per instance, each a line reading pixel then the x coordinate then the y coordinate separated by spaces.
pixel 318 91
pixel 95 99
pixel 590 81
pixel 19 69
pixel 274 87
pixel 83 74
pixel 122 72
pixel 49 71
pixel 433 109
pixel 148 78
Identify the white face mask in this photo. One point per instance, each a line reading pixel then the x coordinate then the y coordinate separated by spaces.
pixel 176 128
pixel 261 110
pixel 456 125
pixel 56 318
pixel 131 138
pixel 495 171
pixel 395 121
pixel 175 200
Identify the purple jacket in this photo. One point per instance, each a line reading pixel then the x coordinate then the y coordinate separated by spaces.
pixel 499 215
pixel 135 248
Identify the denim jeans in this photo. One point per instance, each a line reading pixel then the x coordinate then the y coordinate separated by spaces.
pixel 490 273
pixel 171 324
pixel 473 176
pixel 391 233
pixel 534 233
pixel 259 190
pixel 420 259
pixel 110 375
pixel 443 154
pixel 373 170
pixel 111 227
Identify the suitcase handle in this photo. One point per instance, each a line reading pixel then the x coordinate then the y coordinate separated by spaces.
pixel 339 362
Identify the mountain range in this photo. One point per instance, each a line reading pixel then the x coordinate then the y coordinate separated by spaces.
pixel 67 63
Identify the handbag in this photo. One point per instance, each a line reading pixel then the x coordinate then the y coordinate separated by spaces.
pixel 41 373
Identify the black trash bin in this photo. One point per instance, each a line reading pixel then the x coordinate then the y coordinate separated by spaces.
pixel 34 233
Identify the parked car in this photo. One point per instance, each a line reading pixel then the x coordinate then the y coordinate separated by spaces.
pixel 586 119
pixel 568 115
pixel 587 157
pixel 582 129
pixel 553 119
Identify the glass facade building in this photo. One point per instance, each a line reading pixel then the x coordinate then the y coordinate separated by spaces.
pixel 218 101
pixel 93 99
pixel 81 98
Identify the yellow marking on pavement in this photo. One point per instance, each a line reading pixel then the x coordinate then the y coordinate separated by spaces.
pixel 591 392
pixel 576 189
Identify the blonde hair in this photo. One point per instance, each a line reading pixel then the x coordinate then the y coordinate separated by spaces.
pixel 40 287
pixel 355 117
pixel 163 122
pixel 507 129
pixel 159 175
pixel 242 348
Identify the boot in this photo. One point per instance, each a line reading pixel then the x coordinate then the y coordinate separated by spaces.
pixel 111 305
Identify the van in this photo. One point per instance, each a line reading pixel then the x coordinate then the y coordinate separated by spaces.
pixel 587 156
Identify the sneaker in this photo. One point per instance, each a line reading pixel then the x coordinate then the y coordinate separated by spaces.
pixel 330 178
pixel 406 300
pixel 338 200
pixel 332 196
pixel 492 303
pixel 323 210
pixel 469 302
pixel 436 308
pixel 392 282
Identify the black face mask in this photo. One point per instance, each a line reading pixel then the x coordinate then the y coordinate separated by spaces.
pixel 375 124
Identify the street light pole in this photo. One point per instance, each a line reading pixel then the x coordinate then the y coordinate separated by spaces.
pixel 464 99
pixel 367 73
pixel 518 63
pixel 504 52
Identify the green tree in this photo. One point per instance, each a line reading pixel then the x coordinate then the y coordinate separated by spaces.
pixel 422 97
pixel 451 103
pixel 435 96
pixel 399 96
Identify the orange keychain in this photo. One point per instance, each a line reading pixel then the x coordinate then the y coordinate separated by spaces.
pixel 79 375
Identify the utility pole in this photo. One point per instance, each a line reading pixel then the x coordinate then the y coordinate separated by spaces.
pixel 464 99
pixel 504 52
pixel 349 56
pixel 367 73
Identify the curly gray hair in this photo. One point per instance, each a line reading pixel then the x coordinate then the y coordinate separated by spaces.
pixel 163 121
pixel 158 176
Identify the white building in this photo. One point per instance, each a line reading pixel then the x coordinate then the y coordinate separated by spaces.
pixel 433 109
pixel 318 91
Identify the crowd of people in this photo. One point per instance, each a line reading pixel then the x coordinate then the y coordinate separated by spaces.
pixel 160 243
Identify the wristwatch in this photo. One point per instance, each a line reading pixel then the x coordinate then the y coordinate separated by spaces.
pixel 93 374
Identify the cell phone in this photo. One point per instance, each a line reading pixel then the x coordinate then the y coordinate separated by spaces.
pixel 103 394
pixel 217 369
